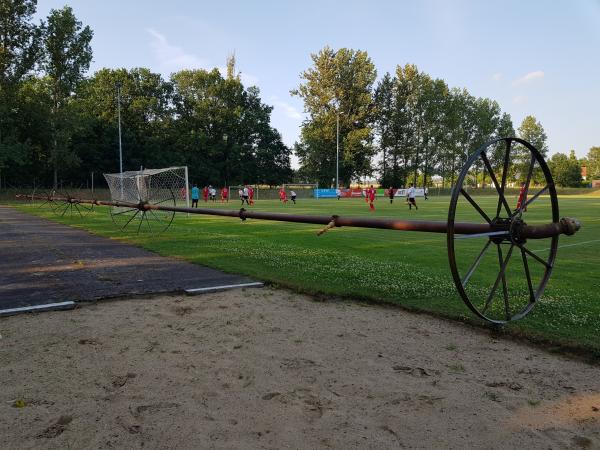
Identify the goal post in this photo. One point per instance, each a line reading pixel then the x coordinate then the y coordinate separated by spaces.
pixel 148 185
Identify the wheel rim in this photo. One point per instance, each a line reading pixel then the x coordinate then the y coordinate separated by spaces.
pixel 488 281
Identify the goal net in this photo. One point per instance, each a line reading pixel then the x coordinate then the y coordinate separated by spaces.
pixel 153 186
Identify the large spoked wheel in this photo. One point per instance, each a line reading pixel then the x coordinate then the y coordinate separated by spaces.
pixel 144 219
pixel 499 275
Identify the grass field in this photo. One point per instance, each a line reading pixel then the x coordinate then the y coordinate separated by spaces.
pixel 406 268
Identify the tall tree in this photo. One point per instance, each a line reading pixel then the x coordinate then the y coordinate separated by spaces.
pixel 593 161
pixel 337 87
pixel 67 58
pixel 532 131
pixel 566 170
pixel 19 52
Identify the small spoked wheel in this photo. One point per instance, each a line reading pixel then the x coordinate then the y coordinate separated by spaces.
pixel 140 217
pixel 64 204
pixel 499 274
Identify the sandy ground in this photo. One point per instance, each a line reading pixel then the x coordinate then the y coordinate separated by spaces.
pixel 272 369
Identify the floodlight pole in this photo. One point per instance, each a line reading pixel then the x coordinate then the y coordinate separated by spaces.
pixel 337 153
pixel 118 85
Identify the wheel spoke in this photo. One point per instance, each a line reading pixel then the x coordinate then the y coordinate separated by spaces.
pixel 476 206
pixel 504 288
pixel 532 199
pixel 66 206
pixel 78 210
pixel 504 175
pixel 501 198
pixel 163 201
pixel 130 219
pixel 473 267
pixel 498 279
pixel 157 216
pixel 126 211
pixel 141 221
pixel 148 222
pixel 528 275
pixel 536 257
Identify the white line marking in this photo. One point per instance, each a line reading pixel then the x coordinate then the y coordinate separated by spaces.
pixel 223 287
pixel 568 245
pixel 9 311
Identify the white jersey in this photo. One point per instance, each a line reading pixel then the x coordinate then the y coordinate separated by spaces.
pixel 338 192
pixel 293 194
pixel 410 193
pixel 212 191
pixel 245 192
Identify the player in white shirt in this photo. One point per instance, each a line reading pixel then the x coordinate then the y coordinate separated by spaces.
pixel 293 196
pixel 338 193
pixel 245 195
pixel 410 195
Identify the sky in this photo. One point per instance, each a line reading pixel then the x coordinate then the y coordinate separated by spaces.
pixel 539 58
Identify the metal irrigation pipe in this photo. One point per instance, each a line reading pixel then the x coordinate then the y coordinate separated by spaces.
pixel 566 226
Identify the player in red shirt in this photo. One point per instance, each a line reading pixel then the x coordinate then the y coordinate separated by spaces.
pixel 522 198
pixel 371 195
pixel 251 194
pixel 282 196
pixel 205 193
pixel 225 194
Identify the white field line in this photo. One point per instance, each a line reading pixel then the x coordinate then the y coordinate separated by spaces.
pixel 222 287
pixel 47 306
pixel 568 245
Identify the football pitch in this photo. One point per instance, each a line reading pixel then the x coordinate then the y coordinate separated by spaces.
pixel 405 268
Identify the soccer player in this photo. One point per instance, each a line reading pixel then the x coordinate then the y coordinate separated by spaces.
pixel 371 194
pixel 195 196
pixel 338 192
pixel 205 193
pixel 391 194
pixel 410 195
pixel 225 194
pixel 293 195
pixel 282 196
pixel 522 198
pixel 245 195
pixel 212 192
pixel 426 192
pixel 251 194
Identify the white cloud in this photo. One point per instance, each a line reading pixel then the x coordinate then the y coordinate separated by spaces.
pixel 287 109
pixel 497 77
pixel 519 99
pixel 529 78
pixel 172 58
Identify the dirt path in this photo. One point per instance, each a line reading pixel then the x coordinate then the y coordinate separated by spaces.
pixel 272 369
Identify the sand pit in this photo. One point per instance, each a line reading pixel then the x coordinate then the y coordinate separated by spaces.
pixel 272 369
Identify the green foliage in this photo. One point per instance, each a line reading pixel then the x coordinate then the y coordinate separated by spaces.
pixel 593 163
pixel 19 52
pixel 337 87
pixel 566 170
pixel 425 128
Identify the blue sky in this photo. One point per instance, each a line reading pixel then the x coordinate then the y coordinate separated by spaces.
pixel 533 57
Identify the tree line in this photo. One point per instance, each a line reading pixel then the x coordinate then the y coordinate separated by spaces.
pixel 57 125
pixel 405 128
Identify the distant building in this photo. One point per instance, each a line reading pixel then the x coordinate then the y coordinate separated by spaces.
pixel 584 172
